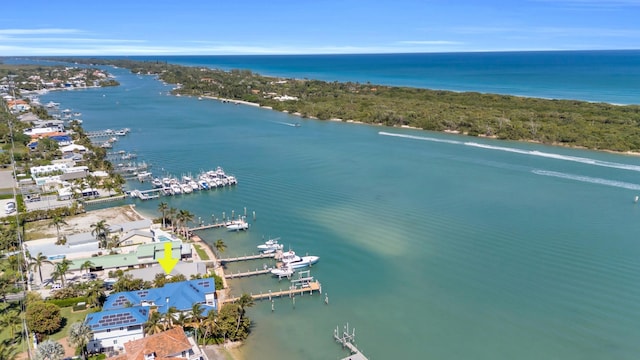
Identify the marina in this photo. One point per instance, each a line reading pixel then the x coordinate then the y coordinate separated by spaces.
pixel 172 185
pixel 392 225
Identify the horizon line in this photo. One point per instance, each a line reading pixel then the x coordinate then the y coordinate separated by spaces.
pixel 337 53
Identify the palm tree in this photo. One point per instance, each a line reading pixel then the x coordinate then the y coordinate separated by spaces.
pixel 37 263
pixel 208 325
pixel 61 270
pixel 163 207
pixel 196 318
pixel 244 302
pixel 187 216
pixel 57 222
pixel 50 350
pixel 172 216
pixel 169 317
pixel 101 231
pixel 113 242
pixel 11 320
pixel 108 185
pixel 220 246
pixel 86 265
pixel 79 336
pixel 95 295
pixel 118 181
pixel 154 325
pixel 183 218
pixel 8 351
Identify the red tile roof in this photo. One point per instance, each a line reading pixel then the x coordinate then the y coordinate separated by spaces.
pixel 164 344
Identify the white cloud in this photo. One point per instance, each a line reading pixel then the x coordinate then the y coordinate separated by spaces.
pixel 67 40
pixel 38 31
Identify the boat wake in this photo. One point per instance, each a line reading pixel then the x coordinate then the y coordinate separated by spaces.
pixel 588 179
pixel 577 159
pixel 424 138
pixel 287 124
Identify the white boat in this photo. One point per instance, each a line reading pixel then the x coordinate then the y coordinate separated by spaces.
pixel 283 271
pixel 270 246
pixel 186 188
pixel 290 258
pixel 157 183
pixel 237 225
pixel 176 189
pixel 204 185
pixel 52 104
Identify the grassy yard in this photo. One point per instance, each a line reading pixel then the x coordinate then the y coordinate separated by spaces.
pixel 201 253
pixel 71 317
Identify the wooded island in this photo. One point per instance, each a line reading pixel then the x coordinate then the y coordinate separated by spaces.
pixel 598 126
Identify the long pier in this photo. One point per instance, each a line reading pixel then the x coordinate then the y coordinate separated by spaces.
pixel 248 257
pixel 107 199
pixel 248 273
pixel 204 227
pixel 291 292
pixel 107 132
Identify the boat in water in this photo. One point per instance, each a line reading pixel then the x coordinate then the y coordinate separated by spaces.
pixel 283 271
pixel 157 183
pixel 237 225
pixel 290 258
pixel 270 246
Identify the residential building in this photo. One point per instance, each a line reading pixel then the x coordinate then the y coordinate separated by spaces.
pixel 124 314
pixel 112 328
pixel 168 345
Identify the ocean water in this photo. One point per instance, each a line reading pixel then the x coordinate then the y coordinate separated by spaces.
pixel 601 76
pixel 431 245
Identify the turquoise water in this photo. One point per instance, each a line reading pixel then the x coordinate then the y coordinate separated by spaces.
pixel 607 76
pixel 431 245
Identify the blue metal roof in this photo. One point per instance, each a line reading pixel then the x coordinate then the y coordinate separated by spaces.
pixel 181 295
pixel 116 318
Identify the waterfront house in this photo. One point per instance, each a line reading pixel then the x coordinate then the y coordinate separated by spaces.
pixel 170 344
pixel 124 314
pixel 112 328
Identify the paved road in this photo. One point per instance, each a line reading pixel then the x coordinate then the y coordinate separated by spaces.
pixel 6 179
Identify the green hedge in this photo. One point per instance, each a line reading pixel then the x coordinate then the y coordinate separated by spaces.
pixel 67 302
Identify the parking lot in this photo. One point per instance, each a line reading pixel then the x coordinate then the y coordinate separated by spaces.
pixel 46 202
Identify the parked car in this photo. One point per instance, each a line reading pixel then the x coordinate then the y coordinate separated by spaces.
pixel 10 207
pixel 90 276
pixel 56 287
pixel 32 197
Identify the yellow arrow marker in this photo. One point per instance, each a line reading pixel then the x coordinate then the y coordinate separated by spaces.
pixel 168 263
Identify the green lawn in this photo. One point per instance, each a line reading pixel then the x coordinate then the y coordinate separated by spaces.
pixel 201 253
pixel 71 317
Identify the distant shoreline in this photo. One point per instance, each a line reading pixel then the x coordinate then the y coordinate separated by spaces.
pixel 454 132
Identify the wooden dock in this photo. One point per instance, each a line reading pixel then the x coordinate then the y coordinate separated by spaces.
pixel 248 257
pixel 105 199
pixel 204 227
pixel 248 273
pixel 347 339
pixel 291 292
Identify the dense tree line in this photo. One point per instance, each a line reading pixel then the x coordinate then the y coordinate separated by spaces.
pixel 597 126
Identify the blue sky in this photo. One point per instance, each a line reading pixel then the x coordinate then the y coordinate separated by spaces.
pixel 215 27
